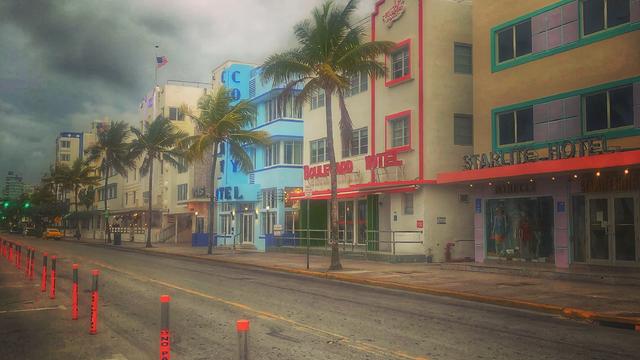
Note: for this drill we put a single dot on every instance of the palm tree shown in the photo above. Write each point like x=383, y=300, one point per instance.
x=79, y=175
x=158, y=142
x=221, y=123
x=112, y=149
x=331, y=50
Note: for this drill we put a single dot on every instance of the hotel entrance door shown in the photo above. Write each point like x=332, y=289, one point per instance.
x=612, y=229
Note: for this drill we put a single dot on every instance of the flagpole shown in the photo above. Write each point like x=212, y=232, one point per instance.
x=155, y=62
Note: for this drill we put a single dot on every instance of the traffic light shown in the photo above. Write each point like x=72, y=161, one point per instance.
x=27, y=205
x=6, y=204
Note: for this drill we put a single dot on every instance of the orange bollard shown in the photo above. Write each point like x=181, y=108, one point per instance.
x=43, y=283
x=74, y=293
x=165, y=335
x=242, y=326
x=33, y=264
x=27, y=264
x=52, y=292
x=93, y=326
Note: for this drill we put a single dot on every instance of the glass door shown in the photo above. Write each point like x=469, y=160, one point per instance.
x=345, y=222
x=599, y=229
x=362, y=221
x=624, y=228
x=247, y=228
x=613, y=229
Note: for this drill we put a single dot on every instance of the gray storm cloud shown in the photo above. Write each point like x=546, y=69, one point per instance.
x=64, y=63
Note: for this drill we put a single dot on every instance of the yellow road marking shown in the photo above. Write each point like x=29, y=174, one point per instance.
x=359, y=345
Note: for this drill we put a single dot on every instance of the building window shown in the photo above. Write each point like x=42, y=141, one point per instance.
x=520, y=228
x=112, y=192
x=609, y=109
x=292, y=152
x=290, y=219
x=317, y=99
x=399, y=130
x=407, y=203
x=65, y=157
x=226, y=221
x=65, y=144
x=357, y=83
x=278, y=108
x=400, y=66
x=318, y=150
x=514, y=41
x=269, y=219
x=462, y=63
x=182, y=192
x=272, y=154
x=133, y=198
x=175, y=114
x=183, y=165
x=515, y=126
x=599, y=15
x=359, y=143
x=270, y=198
x=126, y=198
x=462, y=129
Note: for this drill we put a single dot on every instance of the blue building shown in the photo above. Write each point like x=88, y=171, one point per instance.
x=251, y=206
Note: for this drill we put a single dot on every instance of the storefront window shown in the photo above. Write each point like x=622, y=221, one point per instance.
x=520, y=228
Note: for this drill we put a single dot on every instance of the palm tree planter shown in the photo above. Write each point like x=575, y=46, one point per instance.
x=158, y=142
x=221, y=123
x=112, y=149
x=331, y=50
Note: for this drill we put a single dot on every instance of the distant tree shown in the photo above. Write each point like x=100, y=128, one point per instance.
x=158, y=142
x=221, y=123
x=80, y=174
x=112, y=150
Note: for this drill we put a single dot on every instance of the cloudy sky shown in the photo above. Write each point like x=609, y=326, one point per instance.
x=64, y=63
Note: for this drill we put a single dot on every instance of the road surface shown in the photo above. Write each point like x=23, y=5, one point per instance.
x=292, y=316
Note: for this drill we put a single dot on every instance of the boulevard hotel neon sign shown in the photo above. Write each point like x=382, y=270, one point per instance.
x=381, y=160
x=555, y=151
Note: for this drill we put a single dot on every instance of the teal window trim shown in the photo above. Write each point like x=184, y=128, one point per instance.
x=609, y=134
x=583, y=40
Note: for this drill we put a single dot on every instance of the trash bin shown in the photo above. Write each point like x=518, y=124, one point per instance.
x=117, y=239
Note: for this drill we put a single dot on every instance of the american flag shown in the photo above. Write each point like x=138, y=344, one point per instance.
x=161, y=61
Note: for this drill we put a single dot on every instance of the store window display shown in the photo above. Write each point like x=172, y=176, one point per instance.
x=520, y=228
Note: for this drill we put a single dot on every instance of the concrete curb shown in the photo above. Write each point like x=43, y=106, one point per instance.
x=567, y=312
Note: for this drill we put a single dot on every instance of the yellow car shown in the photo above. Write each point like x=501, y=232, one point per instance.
x=52, y=233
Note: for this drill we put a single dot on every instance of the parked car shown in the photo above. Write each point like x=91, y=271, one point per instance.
x=52, y=233
x=15, y=230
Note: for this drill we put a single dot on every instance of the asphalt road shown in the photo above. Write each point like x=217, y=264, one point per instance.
x=292, y=317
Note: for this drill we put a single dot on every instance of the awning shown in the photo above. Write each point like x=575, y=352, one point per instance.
x=361, y=190
x=544, y=167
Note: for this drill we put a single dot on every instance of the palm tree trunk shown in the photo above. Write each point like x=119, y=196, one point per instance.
x=150, y=217
x=107, y=232
x=77, y=220
x=333, y=202
x=212, y=208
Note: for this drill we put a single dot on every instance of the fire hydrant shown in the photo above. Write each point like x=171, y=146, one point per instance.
x=448, y=252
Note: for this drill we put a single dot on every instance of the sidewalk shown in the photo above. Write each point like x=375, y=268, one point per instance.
x=592, y=301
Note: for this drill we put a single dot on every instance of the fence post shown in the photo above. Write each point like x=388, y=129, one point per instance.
x=242, y=326
x=43, y=283
x=74, y=293
x=165, y=335
x=93, y=325
x=52, y=293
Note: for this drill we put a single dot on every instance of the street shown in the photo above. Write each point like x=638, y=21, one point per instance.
x=292, y=317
